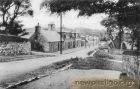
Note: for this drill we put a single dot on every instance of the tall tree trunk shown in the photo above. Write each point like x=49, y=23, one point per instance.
x=132, y=46
x=113, y=44
x=120, y=37
x=138, y=38
x=111, y=38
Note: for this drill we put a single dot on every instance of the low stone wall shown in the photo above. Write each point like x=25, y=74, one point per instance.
x=131, y=63
x=115, y=51
x=15, y=48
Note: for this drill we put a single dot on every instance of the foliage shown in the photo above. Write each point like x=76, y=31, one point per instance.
x=16, y=29
x=102, y=54
x=127, y=16
x=126, y=11
x=10, y=10
x=111, y=24
x=85, y=7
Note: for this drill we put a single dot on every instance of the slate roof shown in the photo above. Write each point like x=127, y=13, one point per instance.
x=51, y=36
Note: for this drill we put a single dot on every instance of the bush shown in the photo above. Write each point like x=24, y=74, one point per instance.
x=91, y=63
x=90, y=52
x=101, y=54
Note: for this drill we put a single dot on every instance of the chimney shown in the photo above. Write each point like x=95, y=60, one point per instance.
x=37, y=28
x=51, y=27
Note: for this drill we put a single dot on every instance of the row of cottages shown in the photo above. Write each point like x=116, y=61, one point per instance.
x=48, y=40
x=72, y=39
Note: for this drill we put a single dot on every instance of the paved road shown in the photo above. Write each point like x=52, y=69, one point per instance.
x=13, y=69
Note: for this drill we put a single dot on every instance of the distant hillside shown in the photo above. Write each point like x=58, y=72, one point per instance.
x=88, y=31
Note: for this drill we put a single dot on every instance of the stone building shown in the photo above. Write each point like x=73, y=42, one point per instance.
x=47, y=40
x=72, y=39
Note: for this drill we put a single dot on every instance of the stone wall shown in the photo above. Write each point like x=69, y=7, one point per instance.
x=53, y=46
x=131, y=63
x=14, y=45
x=115, y=51
x=15, y=48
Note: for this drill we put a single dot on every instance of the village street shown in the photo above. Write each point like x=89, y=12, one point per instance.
x=60, y=79
x=13, y=69
x=47, y=44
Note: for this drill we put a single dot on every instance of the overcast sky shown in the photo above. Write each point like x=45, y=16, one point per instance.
x=70, y=19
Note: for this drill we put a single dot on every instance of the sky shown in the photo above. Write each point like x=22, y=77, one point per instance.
x=70, y=19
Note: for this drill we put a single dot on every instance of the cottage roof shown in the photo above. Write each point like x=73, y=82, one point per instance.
x=51, y=36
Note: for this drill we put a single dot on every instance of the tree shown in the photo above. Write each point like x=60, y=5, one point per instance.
x=111, y=24
x=16, y=29
x=127, y=15
x=85, y=7
x=127, y=12
x=10, y=10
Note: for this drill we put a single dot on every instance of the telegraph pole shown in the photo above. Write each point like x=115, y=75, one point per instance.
x=61, y=48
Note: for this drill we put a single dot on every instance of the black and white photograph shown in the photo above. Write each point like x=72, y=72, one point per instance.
x=69, y=44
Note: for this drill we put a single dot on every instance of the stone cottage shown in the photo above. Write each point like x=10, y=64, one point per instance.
x=80, y=40
x=47, y=40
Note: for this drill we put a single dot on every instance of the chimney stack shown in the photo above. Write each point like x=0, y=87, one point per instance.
x=37, y=28
x=51, y=27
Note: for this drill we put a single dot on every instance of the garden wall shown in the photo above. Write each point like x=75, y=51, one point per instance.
x=115, y=51
x=12, y=45
x=131, y=63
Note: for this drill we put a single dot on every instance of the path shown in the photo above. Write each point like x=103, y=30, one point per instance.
x=65, y=79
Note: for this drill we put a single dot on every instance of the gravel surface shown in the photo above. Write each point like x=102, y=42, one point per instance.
x=64, y=79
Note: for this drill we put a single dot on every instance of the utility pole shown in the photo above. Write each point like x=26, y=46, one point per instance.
x=61, y=48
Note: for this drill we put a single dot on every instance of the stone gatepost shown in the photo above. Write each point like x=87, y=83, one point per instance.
x=131, y=64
